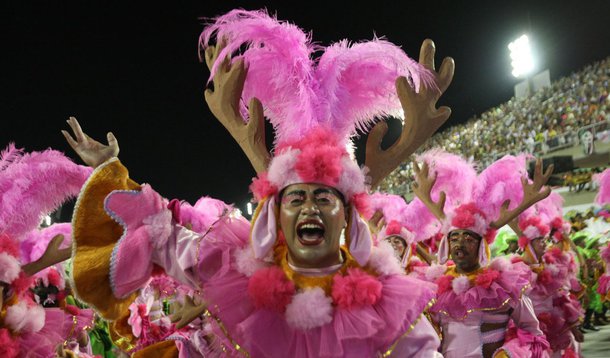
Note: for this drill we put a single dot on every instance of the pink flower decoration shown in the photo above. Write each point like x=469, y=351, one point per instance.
x=269, y=288
x=22, y=284
x=73, y=310
x=444, y=283
x=356, y=289
x=261, y=187
x=487, y=277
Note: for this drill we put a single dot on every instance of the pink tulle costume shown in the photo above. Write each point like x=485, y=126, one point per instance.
x=484, y=312
x=259, y=302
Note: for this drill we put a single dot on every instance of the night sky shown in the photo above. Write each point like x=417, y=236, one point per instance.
x=133, y=69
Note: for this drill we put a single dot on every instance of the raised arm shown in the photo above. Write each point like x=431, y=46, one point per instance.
x=92, y=152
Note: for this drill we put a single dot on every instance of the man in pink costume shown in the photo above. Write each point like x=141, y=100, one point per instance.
x=553, y=269
x=282, y=285
x=479, y=299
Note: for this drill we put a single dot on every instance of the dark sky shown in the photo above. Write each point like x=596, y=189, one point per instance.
x=132, y=68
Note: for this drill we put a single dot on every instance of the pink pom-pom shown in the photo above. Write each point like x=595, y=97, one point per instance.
x=54, y=278
x=9, y=347
x=362, y=204
x=246, y=263
x=487, y=277
x=435, y=271
x=383, y=260
x=22, y=284
x=544, y=277
x=460, y=284
x=309, y=309
x=8, y=246
x=356, y=289
x=261, y=187
x=523, y=241
x=393, y=228
x=444, y=283
x=21, y=318
x=269, y=288
x=9, y=268
x=320, y=164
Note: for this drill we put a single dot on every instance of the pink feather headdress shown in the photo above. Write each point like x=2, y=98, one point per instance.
x=393, y=208
x=315, y=105
x=35, y=184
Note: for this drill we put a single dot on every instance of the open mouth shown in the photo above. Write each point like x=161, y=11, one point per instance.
x=310, y=232
x=459, y=253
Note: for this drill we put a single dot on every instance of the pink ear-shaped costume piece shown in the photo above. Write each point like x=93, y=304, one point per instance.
x=443, y=250
x=361, y=242
x=264, y=229
x=483, y=253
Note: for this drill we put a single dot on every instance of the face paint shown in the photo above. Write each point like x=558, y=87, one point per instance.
x=312, y=217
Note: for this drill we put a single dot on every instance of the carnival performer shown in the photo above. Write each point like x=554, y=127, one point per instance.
x=479, y=298
x=283, y=285
x=402, y=226
x=558, y=311
x=33, y=185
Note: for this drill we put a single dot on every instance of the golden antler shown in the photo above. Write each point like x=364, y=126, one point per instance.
x=531, y=195
x=224, y=104
x=422, y=187
x=422, y=118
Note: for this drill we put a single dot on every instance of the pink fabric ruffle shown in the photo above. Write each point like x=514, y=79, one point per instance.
x=363, y=331
x=507, y=286
x=59, y=327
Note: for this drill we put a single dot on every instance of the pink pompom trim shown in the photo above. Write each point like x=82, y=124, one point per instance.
x=487, y=277
x=8, y=246
x=444, y=283
x=356, y=289
x=9, y=268
x=9, y=347
x=270, y=288
x=309, y=309
x=460, y=284
x=261, y=187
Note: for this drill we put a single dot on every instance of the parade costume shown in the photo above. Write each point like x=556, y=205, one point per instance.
x=259, y=303
x=33, y=185
x=476, y=309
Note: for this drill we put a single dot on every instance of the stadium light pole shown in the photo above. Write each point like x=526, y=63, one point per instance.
x=522, y=60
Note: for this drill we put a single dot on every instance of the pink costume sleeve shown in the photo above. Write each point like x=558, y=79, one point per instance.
x=529, y=338
x=422, y=341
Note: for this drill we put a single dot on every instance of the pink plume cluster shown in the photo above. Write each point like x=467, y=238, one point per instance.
x=422, y=222
x=203, y=214
x=603, y=180
x=392, y=206
x=345, y=89
x=34, y=184
x=499, y=182
x=550, y=208
x=455, y=176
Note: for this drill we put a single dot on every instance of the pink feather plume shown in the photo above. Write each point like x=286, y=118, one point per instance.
x=455, y=176
x=35, y=184
x=499, y=182
x=35, y=242
x=346, y=89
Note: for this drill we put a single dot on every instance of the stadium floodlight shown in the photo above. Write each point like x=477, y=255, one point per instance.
x=521, y=56
x=249, y=209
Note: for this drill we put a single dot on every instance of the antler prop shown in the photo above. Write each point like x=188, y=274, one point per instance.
x=224, y=104
x=422, y=187
x=188, y=312
x=52, y=255
x=531, y=195
x=422, y=118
